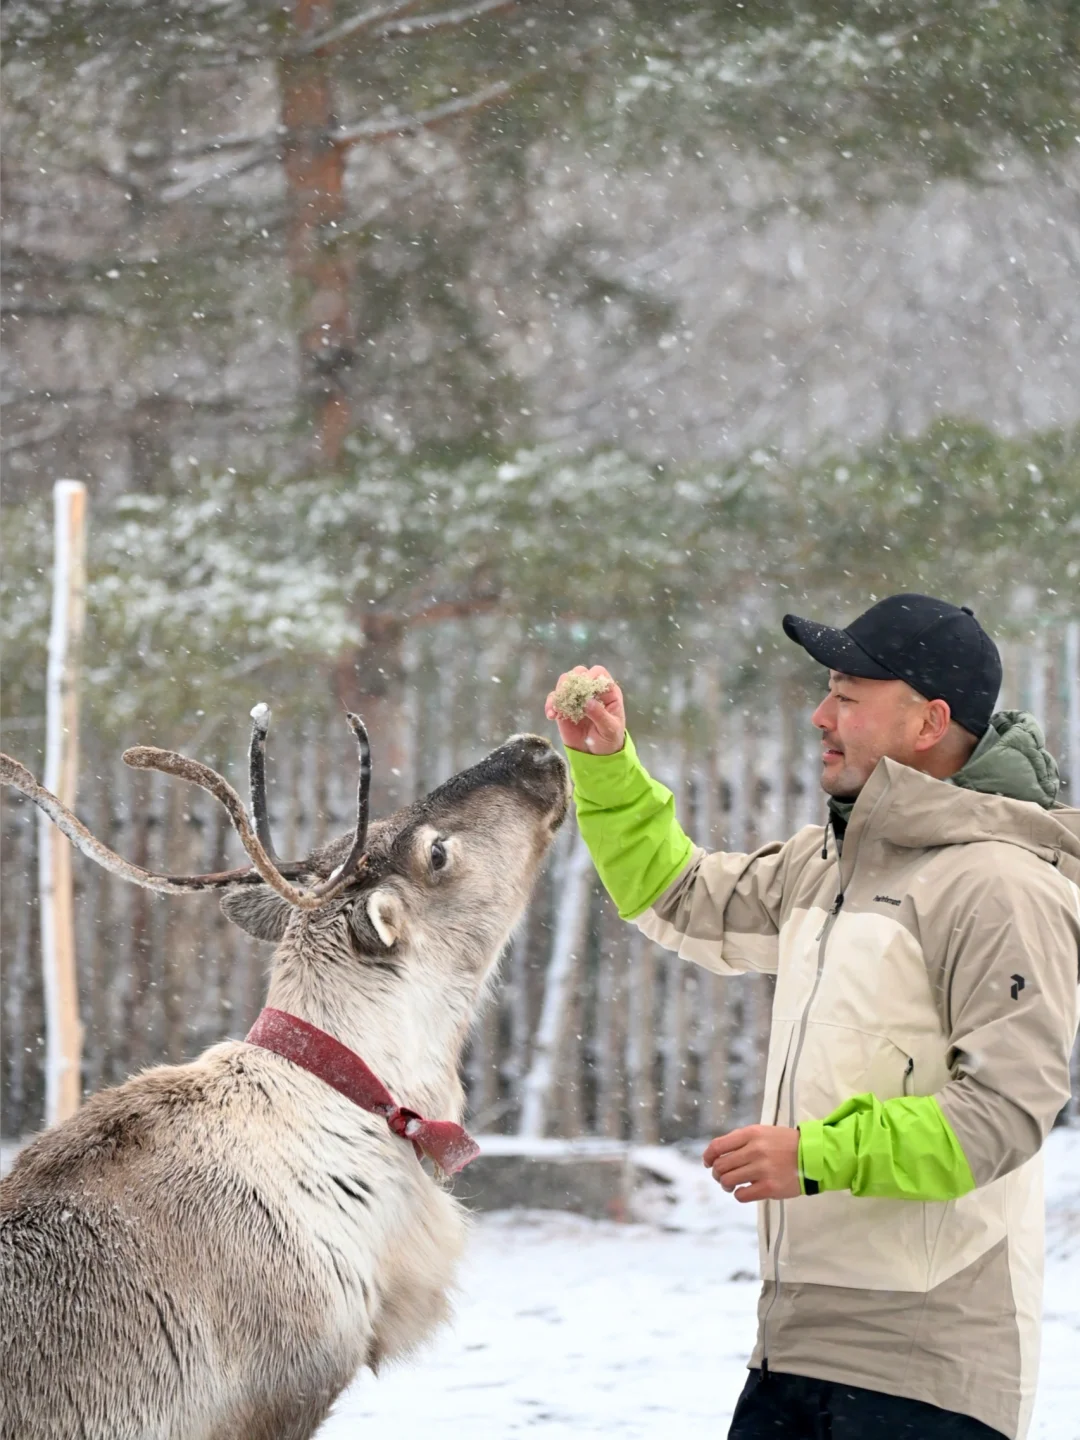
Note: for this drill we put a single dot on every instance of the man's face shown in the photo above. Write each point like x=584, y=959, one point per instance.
x=860, y=722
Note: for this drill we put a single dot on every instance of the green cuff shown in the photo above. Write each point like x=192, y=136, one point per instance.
x=811, y=1161
x=900, y=1149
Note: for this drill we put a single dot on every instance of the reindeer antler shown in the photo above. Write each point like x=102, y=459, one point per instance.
x=149, y=757
x=352, y=861
x=16, y=775
x=266, y=865
x=260, y=724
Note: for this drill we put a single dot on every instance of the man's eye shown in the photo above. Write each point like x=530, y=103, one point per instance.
x=438, y=854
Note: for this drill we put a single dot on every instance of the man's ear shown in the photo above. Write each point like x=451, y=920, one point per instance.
x=256, y=909
x=378, y=920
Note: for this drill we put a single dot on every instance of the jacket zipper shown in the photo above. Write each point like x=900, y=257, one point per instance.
x=822, y=938
x=909, y=1075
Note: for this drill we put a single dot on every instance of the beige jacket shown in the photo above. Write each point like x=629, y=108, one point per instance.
x=909, y=987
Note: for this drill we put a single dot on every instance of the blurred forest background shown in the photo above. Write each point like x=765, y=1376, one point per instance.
x=415, y=352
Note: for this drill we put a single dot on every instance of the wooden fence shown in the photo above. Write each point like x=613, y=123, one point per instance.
x=614, y=1036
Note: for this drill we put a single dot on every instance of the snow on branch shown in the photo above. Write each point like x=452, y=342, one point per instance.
x=389, y=126
x=445, y=19
x=218, y=143
x=367, y=19
x=198, y=176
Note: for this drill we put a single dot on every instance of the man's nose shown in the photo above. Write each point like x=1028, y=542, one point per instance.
x=821, y=716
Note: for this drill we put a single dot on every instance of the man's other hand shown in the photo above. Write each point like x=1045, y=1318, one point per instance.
x=603, y=728
x=758, y=1162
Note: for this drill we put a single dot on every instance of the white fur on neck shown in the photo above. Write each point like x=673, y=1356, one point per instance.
x=409, y=1027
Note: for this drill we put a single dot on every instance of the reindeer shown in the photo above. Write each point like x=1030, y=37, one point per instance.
x=211, y=1251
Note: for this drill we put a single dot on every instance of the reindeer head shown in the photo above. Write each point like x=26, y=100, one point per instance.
x=406, y=918
x=444, y=878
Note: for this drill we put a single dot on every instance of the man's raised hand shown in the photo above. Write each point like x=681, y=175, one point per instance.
x=602, y=729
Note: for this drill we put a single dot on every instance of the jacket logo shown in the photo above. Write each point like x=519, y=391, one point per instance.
x=887, y=899
x=1016, y=986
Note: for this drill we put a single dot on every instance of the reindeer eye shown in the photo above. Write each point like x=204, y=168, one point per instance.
x=438, y=855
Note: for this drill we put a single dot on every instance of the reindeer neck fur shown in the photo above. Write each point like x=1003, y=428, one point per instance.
x=407, y=1016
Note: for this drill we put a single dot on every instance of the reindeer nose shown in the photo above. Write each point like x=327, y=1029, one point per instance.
x=538, y=753
x=536, y=747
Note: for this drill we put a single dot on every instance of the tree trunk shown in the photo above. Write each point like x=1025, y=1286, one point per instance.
x=371, y=682
x=315, y=232
x=566, y=947
x=641, y=1041
x=611, y=1024
x=675, y=1038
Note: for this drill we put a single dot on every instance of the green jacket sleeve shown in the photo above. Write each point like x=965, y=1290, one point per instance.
x=627, y=820
x=900, y=1149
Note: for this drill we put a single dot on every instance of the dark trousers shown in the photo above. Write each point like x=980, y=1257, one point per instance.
x=793, y=1407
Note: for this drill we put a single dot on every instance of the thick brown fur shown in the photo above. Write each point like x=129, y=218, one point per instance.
x=212, y=1250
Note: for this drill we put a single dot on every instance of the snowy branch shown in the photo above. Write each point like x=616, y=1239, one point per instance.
x=39, y=435
x=181, y=189
x=445, y=19
x=225, y=142
x=367, y=19
x=370, y=131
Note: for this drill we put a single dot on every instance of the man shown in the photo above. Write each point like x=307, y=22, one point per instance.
x=926, y=947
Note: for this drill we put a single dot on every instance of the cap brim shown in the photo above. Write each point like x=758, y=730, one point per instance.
x=833, y=648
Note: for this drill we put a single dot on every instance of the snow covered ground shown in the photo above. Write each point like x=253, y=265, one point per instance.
x=571, y=1327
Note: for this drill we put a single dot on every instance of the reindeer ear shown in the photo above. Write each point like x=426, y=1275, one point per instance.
x=378, y=921
x=256, y=909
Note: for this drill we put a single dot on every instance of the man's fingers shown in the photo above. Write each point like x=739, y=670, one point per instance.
x=605, y=723
x=723, y=1144
x=762, y=1190
x=734, y=1160
x=740, y=1175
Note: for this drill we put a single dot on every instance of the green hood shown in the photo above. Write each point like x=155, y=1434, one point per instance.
x=1012, y=760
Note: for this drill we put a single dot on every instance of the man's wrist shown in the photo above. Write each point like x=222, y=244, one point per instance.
x=598, y=754
x=608, y=781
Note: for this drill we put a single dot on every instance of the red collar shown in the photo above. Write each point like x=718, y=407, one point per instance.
x=313, y=1049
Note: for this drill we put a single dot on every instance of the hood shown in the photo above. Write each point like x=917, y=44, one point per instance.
x=914, y=811
x=1012, y=759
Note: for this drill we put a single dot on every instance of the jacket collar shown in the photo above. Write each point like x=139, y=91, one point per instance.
x=915, y=811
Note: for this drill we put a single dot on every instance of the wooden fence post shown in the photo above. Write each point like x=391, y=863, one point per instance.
x=63, y=1044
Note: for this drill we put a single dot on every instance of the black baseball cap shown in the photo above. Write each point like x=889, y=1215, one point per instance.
x=941, y=650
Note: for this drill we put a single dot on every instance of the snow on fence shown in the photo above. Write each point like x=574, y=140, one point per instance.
x=594, y=1030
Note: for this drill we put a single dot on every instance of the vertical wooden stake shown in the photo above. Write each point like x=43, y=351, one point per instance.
x=63, y=1046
